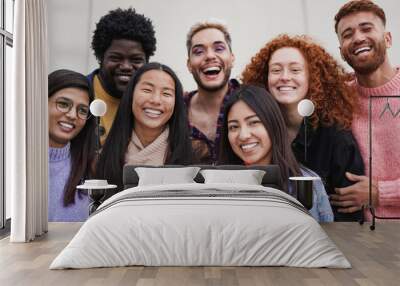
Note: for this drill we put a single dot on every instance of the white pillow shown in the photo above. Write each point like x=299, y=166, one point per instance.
x=249, y=177
x=162, y=176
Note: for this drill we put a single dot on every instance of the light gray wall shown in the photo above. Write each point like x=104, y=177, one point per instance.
x=251, y=23
x=69, y=34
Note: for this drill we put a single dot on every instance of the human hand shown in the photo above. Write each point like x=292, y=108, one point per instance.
x=352, y=198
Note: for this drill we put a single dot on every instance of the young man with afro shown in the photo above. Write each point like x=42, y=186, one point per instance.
x=122, y=42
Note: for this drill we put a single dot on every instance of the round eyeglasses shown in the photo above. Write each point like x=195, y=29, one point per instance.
x=65, y=105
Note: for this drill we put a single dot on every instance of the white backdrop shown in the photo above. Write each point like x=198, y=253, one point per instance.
x=251, y=23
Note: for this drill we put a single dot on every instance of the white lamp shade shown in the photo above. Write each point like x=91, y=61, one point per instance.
x=98, y=107
x=305, y=107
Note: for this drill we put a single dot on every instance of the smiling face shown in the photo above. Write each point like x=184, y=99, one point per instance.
x=363, y=41
x=247, y=135
x=288, y=76
x=63, y=127
x=153, y=102
x=120, y=62
x=210, y=59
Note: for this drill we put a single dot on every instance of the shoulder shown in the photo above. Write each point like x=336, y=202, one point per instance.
x=91, y=75
x=318, y=185
x=351, y=80
x=233, y=84
x=187, y=97
x=306, y=172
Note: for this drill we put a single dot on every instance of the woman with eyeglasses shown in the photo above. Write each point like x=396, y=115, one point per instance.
x=71, y=141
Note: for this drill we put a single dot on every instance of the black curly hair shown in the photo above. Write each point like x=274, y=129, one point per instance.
x=123, y=24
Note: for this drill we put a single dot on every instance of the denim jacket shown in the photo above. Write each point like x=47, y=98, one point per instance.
x=321, y=210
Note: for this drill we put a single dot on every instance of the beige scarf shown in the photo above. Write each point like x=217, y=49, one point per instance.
x=153, y=154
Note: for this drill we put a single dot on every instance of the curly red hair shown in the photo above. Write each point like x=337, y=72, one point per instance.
x=333, y=98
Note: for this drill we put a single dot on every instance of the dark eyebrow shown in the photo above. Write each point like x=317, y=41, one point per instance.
x=214, y=44
x=345, y=31
x=152, y=85
x=65, y=98
x=148, y=83
x=169, y=88
x=363, y=24
x=197, y=46
x=246, y=118
x=219, y=43
x=114, y=53
x=250, y=116
x=71, y=101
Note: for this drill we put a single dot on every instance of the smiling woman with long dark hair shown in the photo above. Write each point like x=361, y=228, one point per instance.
x=150, y=127
x=71, y=141
x=254, y=133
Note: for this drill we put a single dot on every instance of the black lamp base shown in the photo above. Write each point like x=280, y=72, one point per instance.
x=96, y=197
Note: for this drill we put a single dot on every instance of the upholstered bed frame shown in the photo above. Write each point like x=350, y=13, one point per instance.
x=270, y=179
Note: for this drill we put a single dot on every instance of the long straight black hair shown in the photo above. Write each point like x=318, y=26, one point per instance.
x=267, y=110
x=82, y=145
x=112, y=156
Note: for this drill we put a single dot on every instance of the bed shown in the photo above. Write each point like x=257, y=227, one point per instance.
x=201, y=223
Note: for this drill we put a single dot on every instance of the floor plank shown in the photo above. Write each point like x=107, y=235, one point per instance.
x=374, y=255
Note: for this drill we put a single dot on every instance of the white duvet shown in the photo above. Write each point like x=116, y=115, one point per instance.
x=200, y=224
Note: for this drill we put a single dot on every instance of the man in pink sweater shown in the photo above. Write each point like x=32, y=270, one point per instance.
x=360, y=27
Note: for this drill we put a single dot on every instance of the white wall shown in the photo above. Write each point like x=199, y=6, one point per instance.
x=68, y=34
x=251, y=23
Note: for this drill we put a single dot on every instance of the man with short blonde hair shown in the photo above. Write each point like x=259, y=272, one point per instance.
x=210, y=61
x=211, y=24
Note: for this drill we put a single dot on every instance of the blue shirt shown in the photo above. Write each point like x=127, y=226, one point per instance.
x=321, y=210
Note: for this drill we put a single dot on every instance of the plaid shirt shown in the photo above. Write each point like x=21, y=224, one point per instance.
x=205, y=149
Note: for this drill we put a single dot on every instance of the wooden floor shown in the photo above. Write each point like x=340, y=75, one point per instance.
x=374, y=255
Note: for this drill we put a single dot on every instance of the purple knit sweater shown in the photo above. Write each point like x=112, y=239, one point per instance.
x=59, y=170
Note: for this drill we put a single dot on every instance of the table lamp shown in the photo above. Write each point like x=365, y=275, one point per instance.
x=305, y=108
x=98, y=108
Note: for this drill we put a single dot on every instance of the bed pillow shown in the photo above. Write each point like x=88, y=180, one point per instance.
x=162, y=176
x=248, y=177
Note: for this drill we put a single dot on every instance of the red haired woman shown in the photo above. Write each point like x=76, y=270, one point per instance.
x=295, y=68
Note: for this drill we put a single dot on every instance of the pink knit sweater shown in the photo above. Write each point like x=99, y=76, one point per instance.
x=385, y=143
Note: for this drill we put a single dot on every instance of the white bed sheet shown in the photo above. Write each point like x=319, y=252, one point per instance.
x=190, y=231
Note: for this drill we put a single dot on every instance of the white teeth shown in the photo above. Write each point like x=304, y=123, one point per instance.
x=363, y=49
x=211, y=69
x=66, y=125
x=286, y=88
x=124, y=78
x=248, y=146
x=152, y=111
